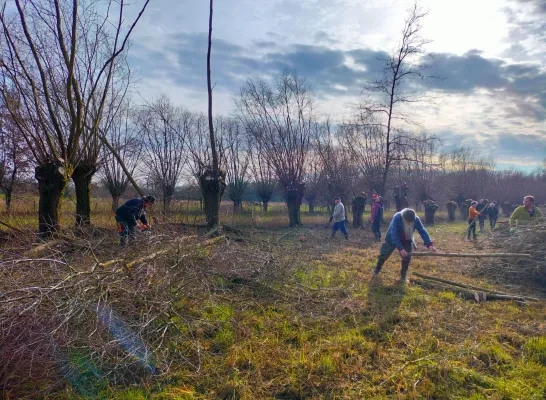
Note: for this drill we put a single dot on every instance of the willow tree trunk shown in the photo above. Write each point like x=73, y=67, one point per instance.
x=8, y=193
x=451, y=209
x=212, y=189
x=294, y=193
x=429, y=215
x=464, y=211
x=81, y=177
x=51, y=183
x=265, y=205
x=115, y=202
x=358, y=207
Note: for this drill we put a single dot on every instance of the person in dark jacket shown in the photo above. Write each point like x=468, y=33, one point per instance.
x=481, y=208
x=128, y=214
x=400, y=237
x=376, y=216
x=493, y=213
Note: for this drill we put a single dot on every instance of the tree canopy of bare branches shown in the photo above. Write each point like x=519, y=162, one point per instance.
x=387, y=99
x=121, y=134
x=60, y=57
x=164, y=129
x=280, y=120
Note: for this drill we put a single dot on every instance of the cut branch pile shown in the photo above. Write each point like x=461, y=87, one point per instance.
x=70, y=315
x=513, y=271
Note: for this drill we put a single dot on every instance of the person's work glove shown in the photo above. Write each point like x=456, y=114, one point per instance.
x=144, y=227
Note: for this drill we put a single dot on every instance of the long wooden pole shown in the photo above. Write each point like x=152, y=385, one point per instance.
x=471, y=255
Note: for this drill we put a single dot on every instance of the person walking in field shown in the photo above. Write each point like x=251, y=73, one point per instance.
x=493, y=213
x=482, y=205
x=338, y=216
x=400, y=237
x=527, y=213
x=376, y=216
x=472, y=216
x=127, y=216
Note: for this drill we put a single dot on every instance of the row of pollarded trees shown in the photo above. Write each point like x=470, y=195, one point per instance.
x=69, y=106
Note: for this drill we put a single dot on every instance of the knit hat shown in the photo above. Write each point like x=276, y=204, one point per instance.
x=408, y=214
x=374, y=195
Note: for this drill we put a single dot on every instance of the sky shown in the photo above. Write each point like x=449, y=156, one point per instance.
x=490, y=54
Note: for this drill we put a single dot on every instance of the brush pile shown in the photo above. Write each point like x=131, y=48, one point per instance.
x=86, y=313
x=529, y=239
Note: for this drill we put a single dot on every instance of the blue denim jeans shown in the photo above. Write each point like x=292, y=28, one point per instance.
x=339, y=226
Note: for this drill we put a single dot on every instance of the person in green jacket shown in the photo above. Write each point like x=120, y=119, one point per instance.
x=526, y=213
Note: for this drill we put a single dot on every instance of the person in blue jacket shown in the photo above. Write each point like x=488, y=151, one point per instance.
x=128, y=214
x=400, y=237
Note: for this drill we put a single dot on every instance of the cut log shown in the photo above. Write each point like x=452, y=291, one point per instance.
x=465, y=293
x=471, y=255
x=470, y=287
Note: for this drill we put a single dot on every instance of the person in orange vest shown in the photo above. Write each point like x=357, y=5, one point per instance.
x=472, y=216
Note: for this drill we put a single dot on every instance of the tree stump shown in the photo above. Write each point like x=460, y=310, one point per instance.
x=358, y=208
x=451, y=209
x=294, y=193
x=430, y=210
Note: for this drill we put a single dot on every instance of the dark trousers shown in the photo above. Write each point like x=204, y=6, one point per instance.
x=386, y=251
x=472, y=228
x=126, y=231
x=481, y=219
x=376, y=228
x=339, y=226
x=492, y=222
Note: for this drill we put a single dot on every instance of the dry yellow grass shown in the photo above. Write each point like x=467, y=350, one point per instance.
x=307, y=323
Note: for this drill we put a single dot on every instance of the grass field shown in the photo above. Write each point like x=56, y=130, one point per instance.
x=314, y=326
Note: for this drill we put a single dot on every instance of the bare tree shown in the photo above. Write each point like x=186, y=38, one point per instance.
x=280, y=119
x=14, y=154
x=263, y=173
x=365, y=145
x=122, y=135
x=237, y=157
x=60, y=57
x=338, y=175
x=387, y=98
x=164, y=129
x=212, y=179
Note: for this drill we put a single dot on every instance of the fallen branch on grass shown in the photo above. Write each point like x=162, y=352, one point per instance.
x=471, y=255
x=10, y=227
x=461, y=285
x=467, y=294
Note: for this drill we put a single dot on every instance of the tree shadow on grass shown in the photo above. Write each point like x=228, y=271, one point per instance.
x=381, y=313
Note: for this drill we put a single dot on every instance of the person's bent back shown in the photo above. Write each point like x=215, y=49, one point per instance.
x=129, y=213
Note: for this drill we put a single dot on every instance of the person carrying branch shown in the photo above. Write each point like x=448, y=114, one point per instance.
x=473, y=214
x=400, y=237
x=527, y=213
x=376, y=216
x=338, y=216
x=128, y=214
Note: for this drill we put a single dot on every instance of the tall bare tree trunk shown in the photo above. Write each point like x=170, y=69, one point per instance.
x=51, y=184
x=212, y=182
